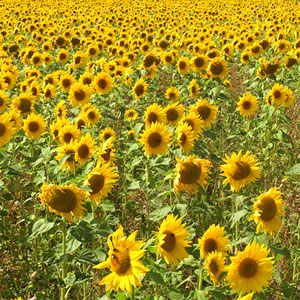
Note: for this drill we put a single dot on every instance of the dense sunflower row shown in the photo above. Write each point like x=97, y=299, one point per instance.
x=89, y=78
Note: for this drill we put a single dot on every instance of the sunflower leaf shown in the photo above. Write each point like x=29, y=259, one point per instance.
x=156, y=277
x=295, y=170
x=41, y=226
x=237, y=216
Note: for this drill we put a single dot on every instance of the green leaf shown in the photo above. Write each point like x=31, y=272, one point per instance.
x=134, y=185
x=279, y=249
x=295, y=170
x=41, y=226
x=107, y=206
x=159, y=213
x=82, y=232
x=70, y=279
x=237, y=216
x=259, y=296
x=199, y=295
x=156, y=277
x=86, y=256
x=288, y=289
x=176, y=296
x=72, y=243
x=120, y=296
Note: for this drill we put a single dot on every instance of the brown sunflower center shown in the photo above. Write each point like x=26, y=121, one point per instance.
x=271, y=68
x=152, y=117
x=91, y=115
x=106, y=155
x=67, y=137
x=79, y=95
x=245, y=57
x=217, y=68
x=80, y=124
x=48, y=93
x=139, y=90
x=1, y=102
x=255, y=49
x=277, y=94
x=77, y=60
x=246, y=104
x=92, y=51
x=36, y=60
x=189, y=173
x=199, y=62
x=102, y=83
x=172, y=95
x=2, y=129
x=33, y=91
x=86, y=81
x=62, y=56
x=269, y=209
x=183, y=139
x=120, y=261
x=291, y=62
x=190, y=123
x=248, y=268
x=169, y=241
x=154, y=140
x=66, y=83
x=172, y=114
x=33, y=126
x=63, y=200
x=182, y=65
x=83, y=151
x=241, y=170
x=210, y=245
x=194, y=89
x=70, y=159
x=25, y=105
x=213, y=267
x=96, y=183
x=149, y=61
x=107, y=136
x=203, y=111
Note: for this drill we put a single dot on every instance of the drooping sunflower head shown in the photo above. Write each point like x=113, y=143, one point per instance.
x=149, y=61
x=290, y=62
x=206, y=112
x=213, y=239
x=174, y=113
x=172, y=240
x=67, y=149
x=100, y=180
x=154, y=113
x=245, y=57
x=268, y=210
x=215, y=265
x=248, y=105
x=107, y=152
x=34, y=126
x=65, y=200
x=191, y=171
x=290, y=97
x=217, y=68
x=240, y=170
x=156, y=139
x=251, y=269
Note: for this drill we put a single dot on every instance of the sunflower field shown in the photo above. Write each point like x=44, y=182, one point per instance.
x=149, y=149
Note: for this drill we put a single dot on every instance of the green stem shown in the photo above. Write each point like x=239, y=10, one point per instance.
x=132, y=294
x=63, y=265
x=200, y=280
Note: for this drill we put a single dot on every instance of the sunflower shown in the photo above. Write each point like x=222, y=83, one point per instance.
x=248, y=105
x=84, y=148
x=140, y=89
x=79, y=94
x=278, y=94
x=9, y=79
x=185, y=137
x=68, y=133
x=67, y=149
x=34, y=126
x=240, y=170
x=100, y=180
x=103, y=83
x=107, y=133
x=172, y=240
x=256, y=49
x=250, y=269
x=131, y=133
x=199, y=63
x=6, y=129
x=24, y=103
x=63, y=56
x=123, y=261
x=245, y=57
x=154, y=113
x=272, y=67
x=87, y=79
x=246, y=297
x=183, y=65
x=49, y=91
x=93, y=115
x=61, y=109
x=36, y=60
x=267, y=211
x=156, y=139
x=172, y=94
x=290, y=97
x=35, y=90
x=174, y=113
x=14, y=116
x=194, y=121
x=106, y=152
x=131, y=114
x=4, y=100
x=290, y=62
x=213, y=239
x=64, y=200
x=189, y=172
x=215, y=265
x=206, y=112
x=217, y=68
x=194, y=89
x=66, y=81
x=149, y=62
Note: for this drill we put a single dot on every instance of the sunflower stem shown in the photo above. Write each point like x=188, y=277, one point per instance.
x=200, y=280
x=63, y=265
x=132, y=294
